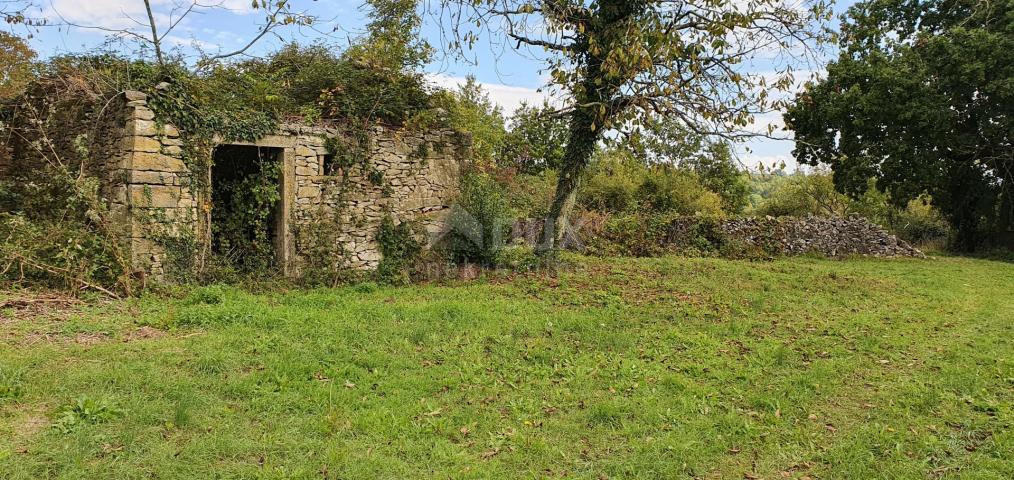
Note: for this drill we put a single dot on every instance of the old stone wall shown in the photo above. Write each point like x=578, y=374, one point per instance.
x=154, y=199
x=160, y=215
x=411, y=176
x=834, y=237
x=418, y=176
x=95, y=138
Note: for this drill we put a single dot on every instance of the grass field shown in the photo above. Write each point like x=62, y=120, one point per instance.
x=653, y=368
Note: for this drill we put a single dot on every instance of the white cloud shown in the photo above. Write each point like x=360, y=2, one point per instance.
x=131, y=14
x=114, y=14
x=507, y=96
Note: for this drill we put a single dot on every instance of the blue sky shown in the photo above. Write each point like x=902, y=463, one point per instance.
x=509, y=77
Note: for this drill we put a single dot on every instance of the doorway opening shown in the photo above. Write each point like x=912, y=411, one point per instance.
x=246, y=218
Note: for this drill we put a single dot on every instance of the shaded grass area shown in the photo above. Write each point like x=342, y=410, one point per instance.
x=620, y=368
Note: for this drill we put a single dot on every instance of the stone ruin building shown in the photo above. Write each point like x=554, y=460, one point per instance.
x=140, y=167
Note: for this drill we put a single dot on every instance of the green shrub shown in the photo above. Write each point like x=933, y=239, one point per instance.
x=804, y=194
x=530, y=195
x=480, y=221
x=919, y=223
x=652, y=234
x=669, y=190
x=210, y=295
x=399, y=246
x=639, y=234
x=519, y=258
x=611, y=183
x=619, y=183
x=719, y=173
x=609, y=193
x=54, y=232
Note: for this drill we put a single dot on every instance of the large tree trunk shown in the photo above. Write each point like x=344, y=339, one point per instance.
x=580, y=147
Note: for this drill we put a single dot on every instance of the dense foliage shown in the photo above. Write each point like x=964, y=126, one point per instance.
x=921, y=99
x=480, y=222
x=537, y=140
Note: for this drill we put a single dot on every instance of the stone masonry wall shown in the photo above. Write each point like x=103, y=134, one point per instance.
x=153, y=184
x=148, y=186
x=835, y=237
x=420, y=177
x=418, y=184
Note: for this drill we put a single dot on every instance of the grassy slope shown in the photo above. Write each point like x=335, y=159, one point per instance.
x=665, y=368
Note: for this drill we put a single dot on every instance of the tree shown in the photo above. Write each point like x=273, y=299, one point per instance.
x=921, y=100
x=719, y=173
x=622, y=61
x=15, y=65
x=393, y=39
x=471, y=110
x=537, y=139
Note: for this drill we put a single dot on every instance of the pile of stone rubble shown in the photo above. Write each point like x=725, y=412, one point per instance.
x=835, y=237
x=830, y=236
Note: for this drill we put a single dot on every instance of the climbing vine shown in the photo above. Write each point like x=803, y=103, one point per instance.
x=242, y=102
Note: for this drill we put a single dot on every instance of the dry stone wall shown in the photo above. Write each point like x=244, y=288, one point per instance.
x=420, y=173
x=829, y=236
x=834, y=237
x=411, y=176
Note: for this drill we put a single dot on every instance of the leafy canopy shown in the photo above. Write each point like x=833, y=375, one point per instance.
x=628, y=60
x=921, y=99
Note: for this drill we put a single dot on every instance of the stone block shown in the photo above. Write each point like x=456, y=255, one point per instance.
x=157, y=162
x=132, y=95
x=308, y=192
x=170, y=131
x=142, y=113
x=306, y=171
x=138, y=126
x=172, y=150
x=145, y=177
x=141, y=144
x=158, y=196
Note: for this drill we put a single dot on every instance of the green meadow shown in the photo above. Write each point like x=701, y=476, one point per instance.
x=614, y=368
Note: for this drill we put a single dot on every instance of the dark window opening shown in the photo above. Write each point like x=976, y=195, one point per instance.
x=246, y=206
x=327, y=165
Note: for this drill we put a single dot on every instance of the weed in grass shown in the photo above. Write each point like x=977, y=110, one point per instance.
x=11, y=385
x=84, y=411
x=365, y=287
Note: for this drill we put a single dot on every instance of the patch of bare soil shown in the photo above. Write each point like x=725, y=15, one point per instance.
x=25, y=428
x=143, y=333
x=37, y=305
x=90, y=338
x=30, y=318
